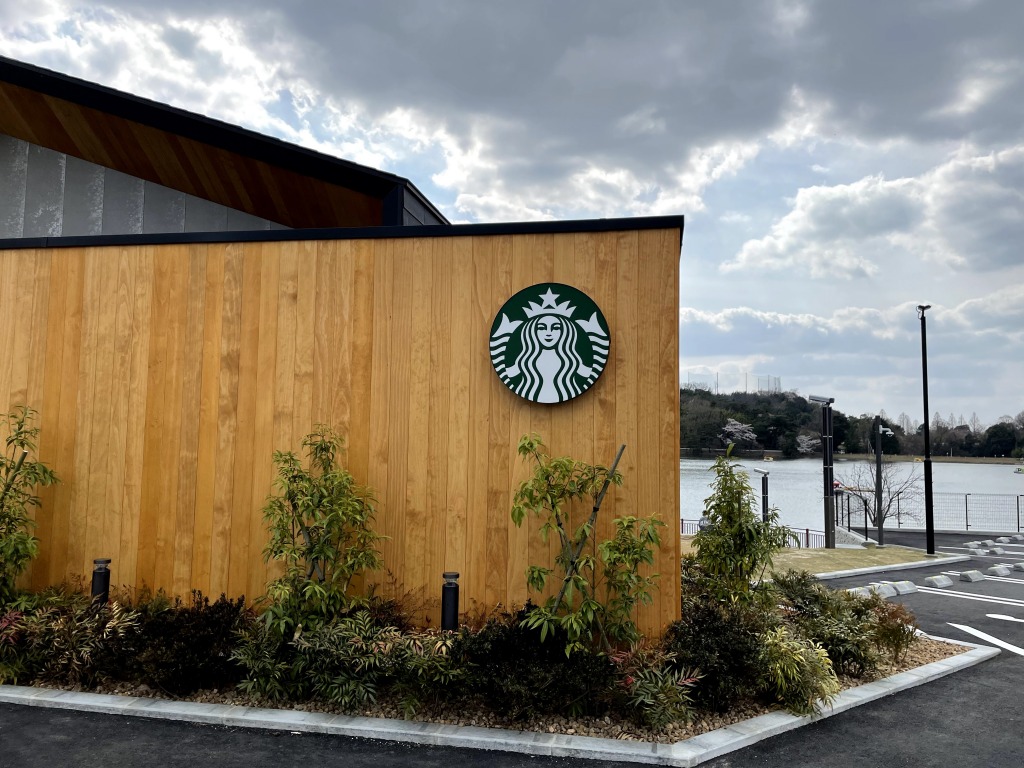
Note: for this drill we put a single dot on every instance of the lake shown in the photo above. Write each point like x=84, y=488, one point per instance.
x=795, y=488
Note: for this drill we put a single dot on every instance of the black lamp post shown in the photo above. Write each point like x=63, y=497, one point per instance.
x=826, y=466
x=929, y=519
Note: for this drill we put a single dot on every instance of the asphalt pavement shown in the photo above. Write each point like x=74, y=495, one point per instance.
x=967, y=719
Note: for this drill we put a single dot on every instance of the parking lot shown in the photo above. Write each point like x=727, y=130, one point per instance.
x=989, y=611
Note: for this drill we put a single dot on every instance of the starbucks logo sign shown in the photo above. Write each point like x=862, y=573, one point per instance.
x=549, y=343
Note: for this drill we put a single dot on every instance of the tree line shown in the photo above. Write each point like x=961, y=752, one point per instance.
x=789, y=423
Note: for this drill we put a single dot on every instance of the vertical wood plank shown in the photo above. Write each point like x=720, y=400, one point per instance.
x=263, y=422
x=49, y=421
x=379, y=405
x=227, y=419
x=71, y=329
x=206, y=443
x=400, y=363
x=190, y=410
x=456, y=556
x=418, y=272
x=440, y=342
x=362, y=359
x=480, y=372
x=499, y=427
x=243, y=549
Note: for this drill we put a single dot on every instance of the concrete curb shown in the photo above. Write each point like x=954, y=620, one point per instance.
x=691, y=752
x=895, y=567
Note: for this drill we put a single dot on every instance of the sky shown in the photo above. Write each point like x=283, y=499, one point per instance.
x=838, y=162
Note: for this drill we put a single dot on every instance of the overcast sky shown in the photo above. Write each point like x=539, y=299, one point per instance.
x=838, y=162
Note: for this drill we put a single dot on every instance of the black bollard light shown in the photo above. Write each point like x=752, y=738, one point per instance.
x=101, y=580
x=450, y=601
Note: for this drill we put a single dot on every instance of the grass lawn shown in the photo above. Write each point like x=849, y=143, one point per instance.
x=841, y=559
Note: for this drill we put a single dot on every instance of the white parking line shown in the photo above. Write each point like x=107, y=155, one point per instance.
x=967, y=596
x=988, y=638
x=1001, y=617
x=988, y=578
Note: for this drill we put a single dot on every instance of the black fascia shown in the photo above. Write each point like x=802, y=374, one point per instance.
x=204, y=129
x=355, y=233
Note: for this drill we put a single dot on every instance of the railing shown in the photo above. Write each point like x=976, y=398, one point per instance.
x=800, y=537
x=950, y=512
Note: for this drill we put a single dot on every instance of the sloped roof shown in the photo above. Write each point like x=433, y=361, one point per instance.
x=197, y=155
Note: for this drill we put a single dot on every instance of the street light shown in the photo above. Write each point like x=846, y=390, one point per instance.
x=826, y=467
x=929, y=520
x=879, y=431
x=764, y=493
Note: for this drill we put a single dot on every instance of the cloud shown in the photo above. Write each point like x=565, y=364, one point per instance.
x=968, y=211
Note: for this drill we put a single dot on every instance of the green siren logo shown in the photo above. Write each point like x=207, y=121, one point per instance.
x=549, y=343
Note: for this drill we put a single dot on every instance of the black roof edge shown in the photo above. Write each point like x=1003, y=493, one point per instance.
x=204, y=129
x=355, y=233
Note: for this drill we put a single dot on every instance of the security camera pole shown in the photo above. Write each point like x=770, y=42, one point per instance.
x=826, y=465
x=879, y=431
x=764, y=493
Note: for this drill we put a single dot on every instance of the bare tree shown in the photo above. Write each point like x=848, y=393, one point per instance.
x=975, y=424
x=901, y=492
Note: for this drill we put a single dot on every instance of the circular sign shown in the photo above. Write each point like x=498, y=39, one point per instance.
x=549, y=343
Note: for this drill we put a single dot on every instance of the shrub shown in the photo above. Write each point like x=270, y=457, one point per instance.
x=895, y=628
x=654, y=689
x=182, y=648
x=737, y=546
x=719, y=641
x=553, y=494
x=71, y=641
x=797, y=673
x=843, y=624
x=517, y=675
x=13, y=653
x=320, y=525
x=20, y=475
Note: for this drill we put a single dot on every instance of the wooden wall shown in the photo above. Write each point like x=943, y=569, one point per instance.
x=167, y=375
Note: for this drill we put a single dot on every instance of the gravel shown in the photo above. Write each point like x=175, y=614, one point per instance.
x=922, y=651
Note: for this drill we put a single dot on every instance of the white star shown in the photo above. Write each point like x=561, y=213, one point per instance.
x=549, y=298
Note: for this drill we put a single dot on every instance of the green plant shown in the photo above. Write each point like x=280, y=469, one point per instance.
x=266, y=662
x=625, y=588
x=510, y=670
x=843, y=624
x=895, y=628
x=71, y=642
x=553, y=494
x=655, y=689
x=182, y=648
x=720, y=641
x=20, y=475
x=13, y=654
x=796, y=672
x=320, y=524
x=737, y=546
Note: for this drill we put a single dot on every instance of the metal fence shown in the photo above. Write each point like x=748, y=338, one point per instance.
x=800, y=537
x=950, y=511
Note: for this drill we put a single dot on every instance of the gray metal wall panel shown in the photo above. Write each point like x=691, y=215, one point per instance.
x=44, y=193
x=83, y=198
x=204, y=216
x=122, y=203
x=419, y=213
x=239, y=220
x=408, y=220
x=163, y=209
x=13, y=169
